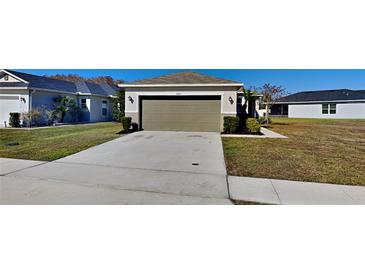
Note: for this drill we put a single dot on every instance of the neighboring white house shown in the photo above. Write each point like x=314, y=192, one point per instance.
x=23, y=92
x=185, y=101
x=339, y=104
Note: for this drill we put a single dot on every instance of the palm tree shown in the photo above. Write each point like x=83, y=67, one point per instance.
x=65, y=104
x=248, y=94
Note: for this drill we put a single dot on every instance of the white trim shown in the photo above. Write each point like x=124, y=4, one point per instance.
x=313, y=102
x=232, y=112
x=92, y=94
x=16, y=77
x=180, y=85
x=16, y=97
x=13, y=88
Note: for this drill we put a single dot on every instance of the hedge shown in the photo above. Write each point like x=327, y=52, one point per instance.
x=230, y=124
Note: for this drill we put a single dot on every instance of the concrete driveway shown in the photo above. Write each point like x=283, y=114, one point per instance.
x=140, y=168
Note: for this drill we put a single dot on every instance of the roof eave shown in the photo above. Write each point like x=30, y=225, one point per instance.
x=319, y=101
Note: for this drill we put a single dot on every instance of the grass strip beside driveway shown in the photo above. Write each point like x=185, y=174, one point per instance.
x=47, y=144
x=317, y=150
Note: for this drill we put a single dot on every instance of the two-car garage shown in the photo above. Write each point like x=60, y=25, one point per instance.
x=180, y=113
x=182, y=101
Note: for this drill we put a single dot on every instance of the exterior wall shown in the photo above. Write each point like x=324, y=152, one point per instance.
x=227, y=108
x=93, y=113
x=12, y=101
x=343, y=111
x=44, y=99
x=85, y=112
x=96, y=109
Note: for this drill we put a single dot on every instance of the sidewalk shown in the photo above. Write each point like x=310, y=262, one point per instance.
x=270, y=191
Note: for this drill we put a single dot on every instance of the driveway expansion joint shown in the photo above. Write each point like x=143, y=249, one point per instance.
x=138, y=168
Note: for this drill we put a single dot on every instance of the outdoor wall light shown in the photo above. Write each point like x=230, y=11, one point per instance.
x=130, y=99
x=22, y=99
x=230, y=99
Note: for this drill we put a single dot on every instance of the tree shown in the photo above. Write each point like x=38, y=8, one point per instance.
x=118, y=104
x=270, y=94
x=64, y=105
x=77, y=78
x=247, y=95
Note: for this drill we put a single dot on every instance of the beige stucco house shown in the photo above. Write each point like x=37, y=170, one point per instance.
x=183, y=101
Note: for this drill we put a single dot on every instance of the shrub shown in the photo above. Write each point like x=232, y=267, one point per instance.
x=14, y=119
x=253, y=125
x=126, y=122
x=40, y=116
x=134, y=127
x=230, y=124
x=262, y=120
x=117, y=114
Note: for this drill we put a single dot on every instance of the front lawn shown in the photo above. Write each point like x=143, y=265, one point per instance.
x=49, y=144
x=317, y=150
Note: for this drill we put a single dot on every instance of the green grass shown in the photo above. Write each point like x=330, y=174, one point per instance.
x=47, y=144
x=317, y=150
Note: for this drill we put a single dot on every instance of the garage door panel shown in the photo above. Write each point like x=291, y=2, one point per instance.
x=181, y=114
x=8, y=104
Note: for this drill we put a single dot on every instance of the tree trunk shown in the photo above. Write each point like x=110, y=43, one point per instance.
x=63, y=116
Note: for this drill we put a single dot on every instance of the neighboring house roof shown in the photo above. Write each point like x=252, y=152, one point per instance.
x=324, y=96
x=182, y=79
x=99, y=89
x=42, y=82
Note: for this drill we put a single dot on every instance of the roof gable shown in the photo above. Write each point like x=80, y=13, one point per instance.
x=183, y=78
x=10, y=78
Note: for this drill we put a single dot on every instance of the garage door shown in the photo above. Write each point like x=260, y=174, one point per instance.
x=181, y=113
x=8, y=104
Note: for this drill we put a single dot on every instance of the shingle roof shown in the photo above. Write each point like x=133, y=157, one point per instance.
x=36, y=81
x=180, y=78
x=325, y=96
x=43, y=82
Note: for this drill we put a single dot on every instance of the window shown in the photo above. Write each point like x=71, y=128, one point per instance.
x=83, y=103
x=328, y=108
x=324, y=108
x=104, y=107
x=332, y=108
x=6, y=77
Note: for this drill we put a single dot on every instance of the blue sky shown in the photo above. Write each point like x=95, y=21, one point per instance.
x=292, y=79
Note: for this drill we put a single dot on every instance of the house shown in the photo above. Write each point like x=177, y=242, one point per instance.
x=339, y=103
x=183, y=101
x=23, y=92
